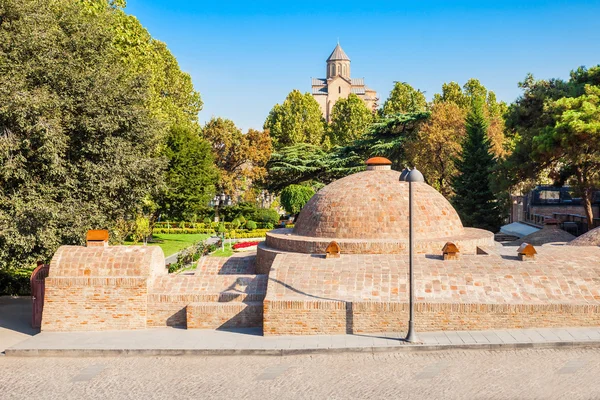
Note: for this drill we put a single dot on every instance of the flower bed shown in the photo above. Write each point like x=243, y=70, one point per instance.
x=242, y=245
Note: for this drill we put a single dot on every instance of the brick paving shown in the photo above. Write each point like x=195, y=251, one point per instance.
x=525, y=374
x=239, y=263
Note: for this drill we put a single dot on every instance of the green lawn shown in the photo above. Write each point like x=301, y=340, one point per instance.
x=220, y=253
x=172, y=243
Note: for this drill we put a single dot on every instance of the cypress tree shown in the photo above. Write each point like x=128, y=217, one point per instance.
x=474, y=199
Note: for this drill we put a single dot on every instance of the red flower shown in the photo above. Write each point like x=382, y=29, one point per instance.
x=242, y=245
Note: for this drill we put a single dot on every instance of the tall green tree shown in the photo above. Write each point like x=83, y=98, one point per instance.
x=312, y=165
x=474, y=199
x=530, y=117
x=298, y=120
x=241, y=158
x=404, y=99
x=388, y=137
x=574, y=141
x=350, y=119
x=79, y=148
x=171, y=97
x=494, y=110
x=191, y=175
x=295, y=197
x=437, y=145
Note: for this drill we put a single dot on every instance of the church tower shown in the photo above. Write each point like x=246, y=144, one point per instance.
x=339, y=85
x=338, y=64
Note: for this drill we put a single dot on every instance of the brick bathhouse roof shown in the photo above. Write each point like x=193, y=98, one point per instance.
x=374, y=205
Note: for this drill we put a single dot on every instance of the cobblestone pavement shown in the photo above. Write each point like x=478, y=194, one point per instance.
x=523, y=374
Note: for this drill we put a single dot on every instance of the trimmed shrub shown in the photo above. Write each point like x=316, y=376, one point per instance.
x=266, y=216
x=251, y=225
x=205, y=231
x=242, y=234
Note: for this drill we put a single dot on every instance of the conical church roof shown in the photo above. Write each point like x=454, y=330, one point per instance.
x=338, y=54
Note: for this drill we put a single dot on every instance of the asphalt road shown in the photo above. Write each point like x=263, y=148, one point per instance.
x=521, y=374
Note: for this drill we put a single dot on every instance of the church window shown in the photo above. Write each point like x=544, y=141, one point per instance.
x=339, y=69
x=332, y=69
x=339, y=89
x=344, y=69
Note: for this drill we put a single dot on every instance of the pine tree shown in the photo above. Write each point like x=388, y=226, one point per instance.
x=474, y=199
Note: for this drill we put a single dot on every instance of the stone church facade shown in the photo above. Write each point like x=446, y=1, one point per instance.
x=338, y=84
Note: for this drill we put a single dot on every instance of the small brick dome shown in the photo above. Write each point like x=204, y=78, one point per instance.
x=374, y=205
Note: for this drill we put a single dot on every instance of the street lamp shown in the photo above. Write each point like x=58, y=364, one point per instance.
x=220, y=199
x=411, y=176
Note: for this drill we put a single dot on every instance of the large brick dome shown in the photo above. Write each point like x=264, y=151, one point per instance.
x=374, y=205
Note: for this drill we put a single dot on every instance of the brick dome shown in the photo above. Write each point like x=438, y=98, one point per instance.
x=374, y=205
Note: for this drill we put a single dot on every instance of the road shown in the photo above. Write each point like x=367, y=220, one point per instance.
x=469, y=374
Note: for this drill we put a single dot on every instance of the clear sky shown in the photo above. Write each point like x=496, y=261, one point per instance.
x=246, y=56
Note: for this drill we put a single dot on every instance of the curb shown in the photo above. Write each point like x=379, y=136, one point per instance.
x=292, y=352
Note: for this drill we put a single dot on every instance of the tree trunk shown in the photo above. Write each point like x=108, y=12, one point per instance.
x=587, y=203
x=586, y=193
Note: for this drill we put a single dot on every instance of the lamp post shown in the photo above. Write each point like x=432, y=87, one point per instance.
x=411, y=176
x=220, y=199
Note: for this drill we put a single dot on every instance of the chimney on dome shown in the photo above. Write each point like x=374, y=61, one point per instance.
x=378, y=164
x=97, y=237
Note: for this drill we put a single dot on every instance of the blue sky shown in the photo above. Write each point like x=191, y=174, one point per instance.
x=246, y=56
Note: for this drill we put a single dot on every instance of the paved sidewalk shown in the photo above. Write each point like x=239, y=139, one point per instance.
x=172, y=341
x=15, y=321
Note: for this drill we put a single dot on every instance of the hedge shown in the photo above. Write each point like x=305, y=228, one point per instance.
x=187, y=227
x=244, y=234
x=209, y=231
x=15, y=282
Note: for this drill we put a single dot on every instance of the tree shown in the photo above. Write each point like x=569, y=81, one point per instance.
x=296, y=164
x=575, y=141
x=141, y=229
x=350, y=119
x=313, y=166
x=191, y=174
x=474, y=200
x=171, y=96
x=404, y=99
x=78, y=144
x=529, y=117
x=437, y=144
x=295, y=197
x=298, y=120
x=452, y=93
x=388, y=137
x=463, y=97
x=240, y=158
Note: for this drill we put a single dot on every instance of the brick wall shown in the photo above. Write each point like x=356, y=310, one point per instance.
x=224, y=315
x=81, y=303
x=304, y=318
x=282, y=240
x=327, y=317
x=265, y=257
x=100, y=288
